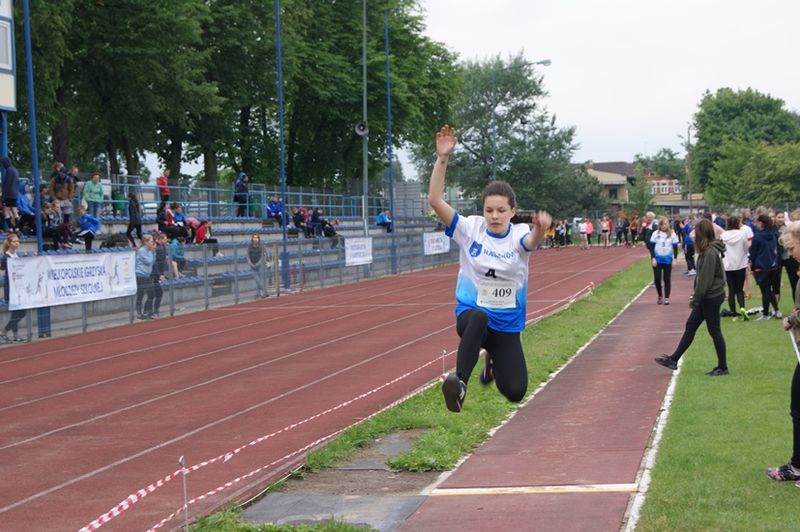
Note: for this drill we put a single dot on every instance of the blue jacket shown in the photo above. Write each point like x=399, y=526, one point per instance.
x=687, y=233
x=764, y=250
x=382, y=219
x=90, y=223
x=23, y=201
x=275, y=208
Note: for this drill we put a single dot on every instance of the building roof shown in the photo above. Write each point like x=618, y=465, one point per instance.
x=607, y=178
x=616, y=167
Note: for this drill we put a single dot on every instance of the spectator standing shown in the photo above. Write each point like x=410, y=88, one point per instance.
x=582, y=229
x=688, y=245
x=589, y=230
x=634, y=230
x=93, y=195
x=735, y=262
x=605, y=230
x=241, y=193
x=561, y=233
x=764, y=264
x=134, y=219
x=62, y=190
x=10, y=189
x=709, y=292
x=89, y=228
x=791, y=470
x=255, y=259
x=145, y=258
x=384, y=219
x=663, y=242
x=159, y=272
x=163, y=186
x=10, y=248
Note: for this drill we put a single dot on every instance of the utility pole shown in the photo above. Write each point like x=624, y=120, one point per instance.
x=689, y=164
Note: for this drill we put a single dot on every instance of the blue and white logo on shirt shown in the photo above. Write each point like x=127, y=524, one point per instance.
x=475, y=249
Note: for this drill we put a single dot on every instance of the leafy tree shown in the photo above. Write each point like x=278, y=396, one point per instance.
x=747, y=115
x=640, y=196
x=664, y=163
x=755, y=173
x=533, y=153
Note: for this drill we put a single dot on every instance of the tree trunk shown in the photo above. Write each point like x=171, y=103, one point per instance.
x=60, y=134
x=111, y=153
x=131, y=157
x=247, y=156
x=210, y=166
x=175, y=152
x=292, y=144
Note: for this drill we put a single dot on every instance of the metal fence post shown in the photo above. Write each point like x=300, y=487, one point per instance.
x=236, y=273
x=205, y=275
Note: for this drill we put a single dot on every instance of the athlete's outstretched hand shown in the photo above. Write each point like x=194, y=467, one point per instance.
x=543, y=221
x=446, y=141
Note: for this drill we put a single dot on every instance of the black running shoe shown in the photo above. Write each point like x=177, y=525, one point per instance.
x=487, y=375
x=667, y=362
x=718, y=372
x=454, y=391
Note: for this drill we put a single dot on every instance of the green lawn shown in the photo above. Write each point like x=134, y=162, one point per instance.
x=723, y=432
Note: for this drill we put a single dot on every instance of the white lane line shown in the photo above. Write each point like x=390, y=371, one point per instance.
x=536, y=490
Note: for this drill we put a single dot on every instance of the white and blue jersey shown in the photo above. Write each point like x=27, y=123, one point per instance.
x=663, y=245
x=494, y=271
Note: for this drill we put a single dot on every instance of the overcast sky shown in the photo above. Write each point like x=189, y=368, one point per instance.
x=629, y=74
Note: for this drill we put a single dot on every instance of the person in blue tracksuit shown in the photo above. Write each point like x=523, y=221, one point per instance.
x=492, y=287
x=663, y=243
x=89, y=228
x=688, y=245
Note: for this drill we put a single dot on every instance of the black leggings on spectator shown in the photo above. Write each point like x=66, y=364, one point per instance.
x=158, y=292
x=795, y=410
x=765, y=281
x=214, y=245
x=665, y=271
x=129, y=233
x=706, y=310
x=689, y=253
x=735, y=279
x=792, y=266
x=144, y=285
x=505, y=349
x=13, y=321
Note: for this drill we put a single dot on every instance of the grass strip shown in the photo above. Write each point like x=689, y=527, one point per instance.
x=548, y=345
x=723, y=432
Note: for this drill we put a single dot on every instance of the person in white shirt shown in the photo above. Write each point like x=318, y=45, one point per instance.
x=492, y=287
x=663, y=243
x=735, y=263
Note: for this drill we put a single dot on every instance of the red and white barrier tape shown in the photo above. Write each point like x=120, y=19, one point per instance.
x=133, y=498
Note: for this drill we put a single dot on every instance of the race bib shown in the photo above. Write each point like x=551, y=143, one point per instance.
x=497, y=294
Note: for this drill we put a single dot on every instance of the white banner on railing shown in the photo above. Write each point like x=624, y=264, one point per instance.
x=61, y=279
x=357, y=251
x=436, y=243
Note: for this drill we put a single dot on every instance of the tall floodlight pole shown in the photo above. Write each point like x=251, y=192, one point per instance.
x=43, y=313
x=389, y=153
x=285, y=252
x=543, y=62
x=689, y=165
x=364, y=139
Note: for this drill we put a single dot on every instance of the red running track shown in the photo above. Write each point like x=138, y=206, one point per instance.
x=92, y=418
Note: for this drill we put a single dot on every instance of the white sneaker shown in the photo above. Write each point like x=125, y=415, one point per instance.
x=777, y=314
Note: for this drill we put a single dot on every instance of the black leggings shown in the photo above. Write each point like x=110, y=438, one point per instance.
x=792, y=266
x=735, y=280
x=795, y=410
x=765, y=280
x=13, y=321
x=505, y=349
x=665, y=271
x=689, y=252
x=707, y=310
x=129, y=232
x=144, y=285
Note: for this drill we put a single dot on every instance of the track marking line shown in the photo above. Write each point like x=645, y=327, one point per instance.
x=537, y=490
